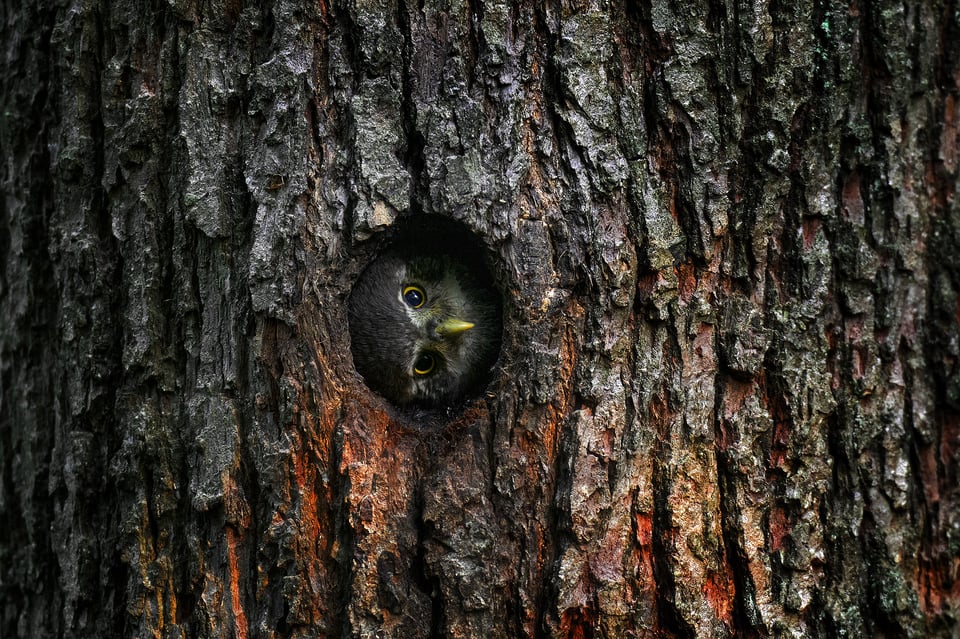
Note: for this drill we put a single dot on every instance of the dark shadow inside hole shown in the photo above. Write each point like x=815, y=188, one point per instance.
x=426, y=316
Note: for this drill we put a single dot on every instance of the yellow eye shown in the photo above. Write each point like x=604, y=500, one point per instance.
x=414, y=296
x=424, y=364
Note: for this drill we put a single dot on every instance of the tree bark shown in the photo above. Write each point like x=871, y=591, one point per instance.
x=726, y=235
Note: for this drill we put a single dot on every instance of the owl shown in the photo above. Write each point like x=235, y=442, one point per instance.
x=424, y=326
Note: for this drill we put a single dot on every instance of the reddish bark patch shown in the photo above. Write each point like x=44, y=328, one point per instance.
x=852, y=200
x=646, y=283
x=578, y=623
x=937, y=583
x=735, y=394
x=687, y=281
x=644, y=531
x=720, y=593
x=781, y=441
x=782, y=425
x=240, y=618
x=779, y=527
x=811, y=226
x=928, y=474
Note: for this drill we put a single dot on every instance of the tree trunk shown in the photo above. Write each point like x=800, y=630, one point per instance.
x=728, y=242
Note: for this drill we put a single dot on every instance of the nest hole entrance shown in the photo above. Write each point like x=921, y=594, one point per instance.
x=426, y=317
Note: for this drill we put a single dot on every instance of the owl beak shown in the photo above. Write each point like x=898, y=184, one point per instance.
x=453, y=326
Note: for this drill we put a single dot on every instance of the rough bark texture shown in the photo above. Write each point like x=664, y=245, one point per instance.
x=728, y=241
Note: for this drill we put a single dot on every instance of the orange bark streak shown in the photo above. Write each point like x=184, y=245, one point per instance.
x=578, y=623
x=644, y=547
x=239, y=617
x=719, y=591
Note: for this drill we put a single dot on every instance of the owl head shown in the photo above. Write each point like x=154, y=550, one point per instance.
x=424, y=326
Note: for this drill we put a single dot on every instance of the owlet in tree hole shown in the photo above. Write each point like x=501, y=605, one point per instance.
x=425, y=326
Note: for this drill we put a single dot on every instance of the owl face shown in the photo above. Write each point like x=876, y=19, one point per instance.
x=424, y=328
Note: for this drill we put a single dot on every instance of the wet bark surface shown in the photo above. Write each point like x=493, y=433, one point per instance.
x=726, y=236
